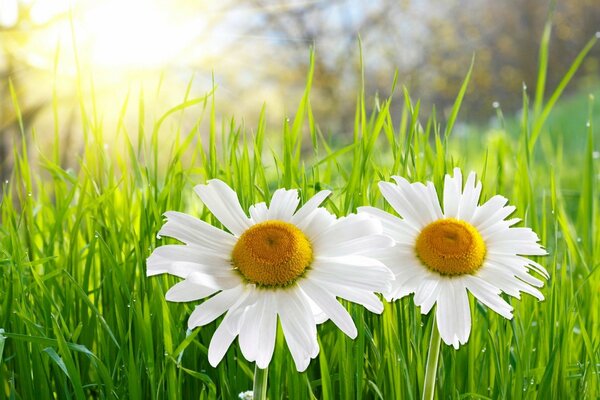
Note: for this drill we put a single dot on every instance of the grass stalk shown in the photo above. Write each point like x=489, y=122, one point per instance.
x=259, y=388
x=431, y=367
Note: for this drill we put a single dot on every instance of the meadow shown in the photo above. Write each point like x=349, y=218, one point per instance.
x=80, y=319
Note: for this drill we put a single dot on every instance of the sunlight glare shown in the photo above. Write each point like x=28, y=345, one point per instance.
x=132, y=34
x=116, y=34
x=9, y=13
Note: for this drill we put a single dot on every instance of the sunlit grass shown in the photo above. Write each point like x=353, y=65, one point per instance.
x=80, y=319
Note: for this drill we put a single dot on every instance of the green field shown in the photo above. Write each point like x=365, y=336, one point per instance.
x=80, y=319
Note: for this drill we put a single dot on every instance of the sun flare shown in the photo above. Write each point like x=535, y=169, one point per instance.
x=133, y=34
x=112, y=35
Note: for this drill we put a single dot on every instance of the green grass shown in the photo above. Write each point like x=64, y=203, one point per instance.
x=80, y=319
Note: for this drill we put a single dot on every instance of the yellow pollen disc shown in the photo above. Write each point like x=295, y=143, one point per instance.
x=272, y=253
x=451, y=247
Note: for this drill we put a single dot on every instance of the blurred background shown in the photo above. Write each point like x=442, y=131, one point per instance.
x=57, y=56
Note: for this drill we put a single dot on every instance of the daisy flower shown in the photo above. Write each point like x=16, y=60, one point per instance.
x=278, y=262
x=439, y=255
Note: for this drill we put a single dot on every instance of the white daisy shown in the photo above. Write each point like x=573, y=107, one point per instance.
x=278, y=262
x=440, y=254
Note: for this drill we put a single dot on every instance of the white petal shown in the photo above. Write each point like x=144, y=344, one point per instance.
x=452, y=193
x=298, y=327
x=318, y=314
x=488, y=294
x=463, y=311
x=331, y=247
x=223, y=336
x=353, y=271
x=488, y=209
x=513, y=265
x=249, y=330
x=219, y=276
x=444, y=313
x=157, y=264
x=416, y=197
x=469, y=198
x=453, y=313
x=223, y=202
x=397, y=292
x=283, y=204
x=191, y=230
x=405, y=284
x=212, y=308
x=258, y=330
x=268, y=332
x=495, y=218
x=347, y=228
x=310, y=206
x=187, y=291
x=507, y=282
x=434, y=200
x=330, y=306
x=426, y=294
x=403, y=203
x=493, y=228
x=316, y=222
x=219, y=279
x=516, y=247
x=501, y=281
x=400, y=259
x=530, y=280
x=228, y=329
x=161, y=258
x=259, y=212
x=408, y=272
x=423, y=199
x=354, y=234
x=535, y=266
x=519, y=263
x=393, y=226
x=524, y=234
x=363, y=297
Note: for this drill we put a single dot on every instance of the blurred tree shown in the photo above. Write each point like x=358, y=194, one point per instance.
x=430, y=43
x=9, y=18
x=505, y=37
x=15, y=26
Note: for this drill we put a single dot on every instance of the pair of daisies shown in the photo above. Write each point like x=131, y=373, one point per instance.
x=293, y=263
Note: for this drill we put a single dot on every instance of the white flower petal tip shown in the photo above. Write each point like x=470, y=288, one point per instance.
x=325, y=193
x=444, y=250
x=283, y=204
x=185, y=291
x=224, y=204
x=310, y=206
x=281, y=262
x=188, y=230
x=153, y=265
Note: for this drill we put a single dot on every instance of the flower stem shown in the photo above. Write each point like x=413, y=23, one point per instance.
x=259, y=391
x=432, y=362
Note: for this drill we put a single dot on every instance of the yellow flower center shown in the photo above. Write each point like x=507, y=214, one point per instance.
x=451, y=247
x=272, y=253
